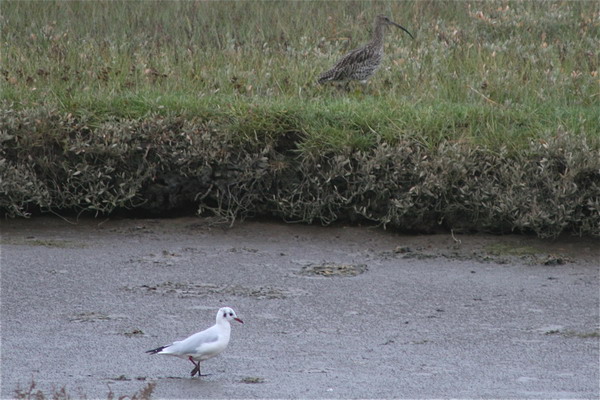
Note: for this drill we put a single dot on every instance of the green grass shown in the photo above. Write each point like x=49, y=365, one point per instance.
x=488, y=120
x=511, y=249
x=491, y=73
x=60, y=244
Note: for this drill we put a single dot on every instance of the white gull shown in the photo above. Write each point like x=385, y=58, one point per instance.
x=202, y=345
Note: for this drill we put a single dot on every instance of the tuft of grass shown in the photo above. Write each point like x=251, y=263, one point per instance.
x=61, y=244
x=503, y=249
x=582, y=335
x=33, y=393
x=252, y=379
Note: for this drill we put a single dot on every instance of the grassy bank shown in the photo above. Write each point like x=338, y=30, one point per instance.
x=505, y=53
x=226, y=166
x=508, y=91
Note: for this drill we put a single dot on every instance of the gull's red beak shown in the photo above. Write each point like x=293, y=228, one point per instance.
x=239, y=320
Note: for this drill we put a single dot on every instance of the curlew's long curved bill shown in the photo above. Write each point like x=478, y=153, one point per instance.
x=403, y=28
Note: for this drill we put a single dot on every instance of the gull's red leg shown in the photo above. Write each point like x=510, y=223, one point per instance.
x=196, y=366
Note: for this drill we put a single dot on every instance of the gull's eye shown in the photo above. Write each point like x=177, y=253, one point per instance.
x=225, y=315
x=231, y=314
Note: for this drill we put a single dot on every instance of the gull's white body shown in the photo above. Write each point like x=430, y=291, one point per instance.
x=202, y=345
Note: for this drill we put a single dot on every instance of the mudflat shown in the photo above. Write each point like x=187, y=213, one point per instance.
x=332, y=312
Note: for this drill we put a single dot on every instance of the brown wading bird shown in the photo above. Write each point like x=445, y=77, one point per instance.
x=360, y=64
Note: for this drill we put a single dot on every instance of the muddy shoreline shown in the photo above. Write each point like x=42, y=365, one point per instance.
x=330, y=312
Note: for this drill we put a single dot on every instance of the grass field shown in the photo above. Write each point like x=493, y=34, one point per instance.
x=514, y=78
x=491, y=72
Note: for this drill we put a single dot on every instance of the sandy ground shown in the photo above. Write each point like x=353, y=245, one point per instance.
x=331, y=312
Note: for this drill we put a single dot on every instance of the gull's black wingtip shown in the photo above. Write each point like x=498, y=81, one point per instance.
x=156, y=350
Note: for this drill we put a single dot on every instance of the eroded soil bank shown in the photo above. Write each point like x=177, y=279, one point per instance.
x=328, y=312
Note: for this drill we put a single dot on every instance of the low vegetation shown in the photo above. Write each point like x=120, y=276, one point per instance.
x=33, y=393
x=488, y=121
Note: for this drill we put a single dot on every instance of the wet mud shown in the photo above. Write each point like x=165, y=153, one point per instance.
x=332, y=312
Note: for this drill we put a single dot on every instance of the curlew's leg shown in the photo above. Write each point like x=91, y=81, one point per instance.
x=366, y=88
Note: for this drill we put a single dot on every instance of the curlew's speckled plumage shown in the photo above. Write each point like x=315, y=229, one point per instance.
x=360, y=64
